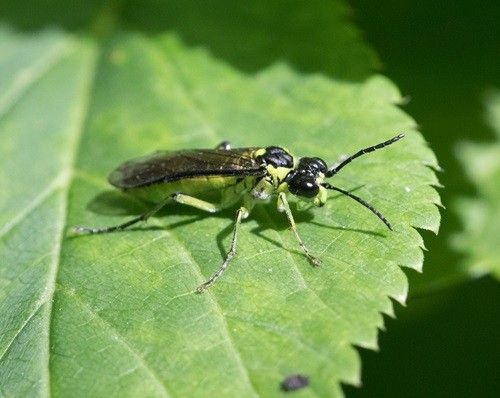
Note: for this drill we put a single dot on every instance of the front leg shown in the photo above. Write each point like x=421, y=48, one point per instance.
x=284, y=207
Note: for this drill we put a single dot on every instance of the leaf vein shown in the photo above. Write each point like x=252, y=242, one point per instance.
x=36, y=202
x=218, y=311
x=27, y=78
x=23, y=326
x=113, y=332
x=299, y=274
x=76, y=131
x=190, y=100
x=209, y=129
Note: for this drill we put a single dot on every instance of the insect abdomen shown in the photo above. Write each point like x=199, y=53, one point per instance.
x=209, y=188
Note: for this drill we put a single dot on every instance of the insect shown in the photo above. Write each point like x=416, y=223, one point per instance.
x=216, y=179
x=294, y=382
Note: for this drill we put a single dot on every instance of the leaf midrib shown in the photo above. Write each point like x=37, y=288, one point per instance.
x=79, y=121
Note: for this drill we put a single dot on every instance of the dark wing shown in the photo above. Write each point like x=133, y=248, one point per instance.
x=161, y=167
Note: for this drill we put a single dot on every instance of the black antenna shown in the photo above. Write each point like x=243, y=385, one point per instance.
x=334, y=170
x=361, y=201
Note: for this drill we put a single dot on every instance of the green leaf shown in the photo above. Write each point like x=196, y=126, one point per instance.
x=115, y=314
x=481, y=215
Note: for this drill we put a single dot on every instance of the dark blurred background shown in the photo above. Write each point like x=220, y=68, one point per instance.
x=444, y=56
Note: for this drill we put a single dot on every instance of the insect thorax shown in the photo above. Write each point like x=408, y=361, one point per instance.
x=277, y=162
x=285, y=173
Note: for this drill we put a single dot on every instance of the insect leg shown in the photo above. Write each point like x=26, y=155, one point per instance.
x=224, y=145
x=184, y=199
x=284, y=207
x=240, y=214
x=142, y=217
x=178, y=197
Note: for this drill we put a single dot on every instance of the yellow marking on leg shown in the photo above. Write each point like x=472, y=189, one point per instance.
x=195, y=202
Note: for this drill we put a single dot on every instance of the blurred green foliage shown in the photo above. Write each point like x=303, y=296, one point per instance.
x=480, y=239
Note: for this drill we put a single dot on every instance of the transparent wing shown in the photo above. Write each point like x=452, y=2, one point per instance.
x=162, y=166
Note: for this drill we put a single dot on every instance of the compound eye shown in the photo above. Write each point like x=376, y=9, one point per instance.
x=303, y=186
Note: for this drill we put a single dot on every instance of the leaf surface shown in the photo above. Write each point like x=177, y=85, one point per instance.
x=115, y=314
